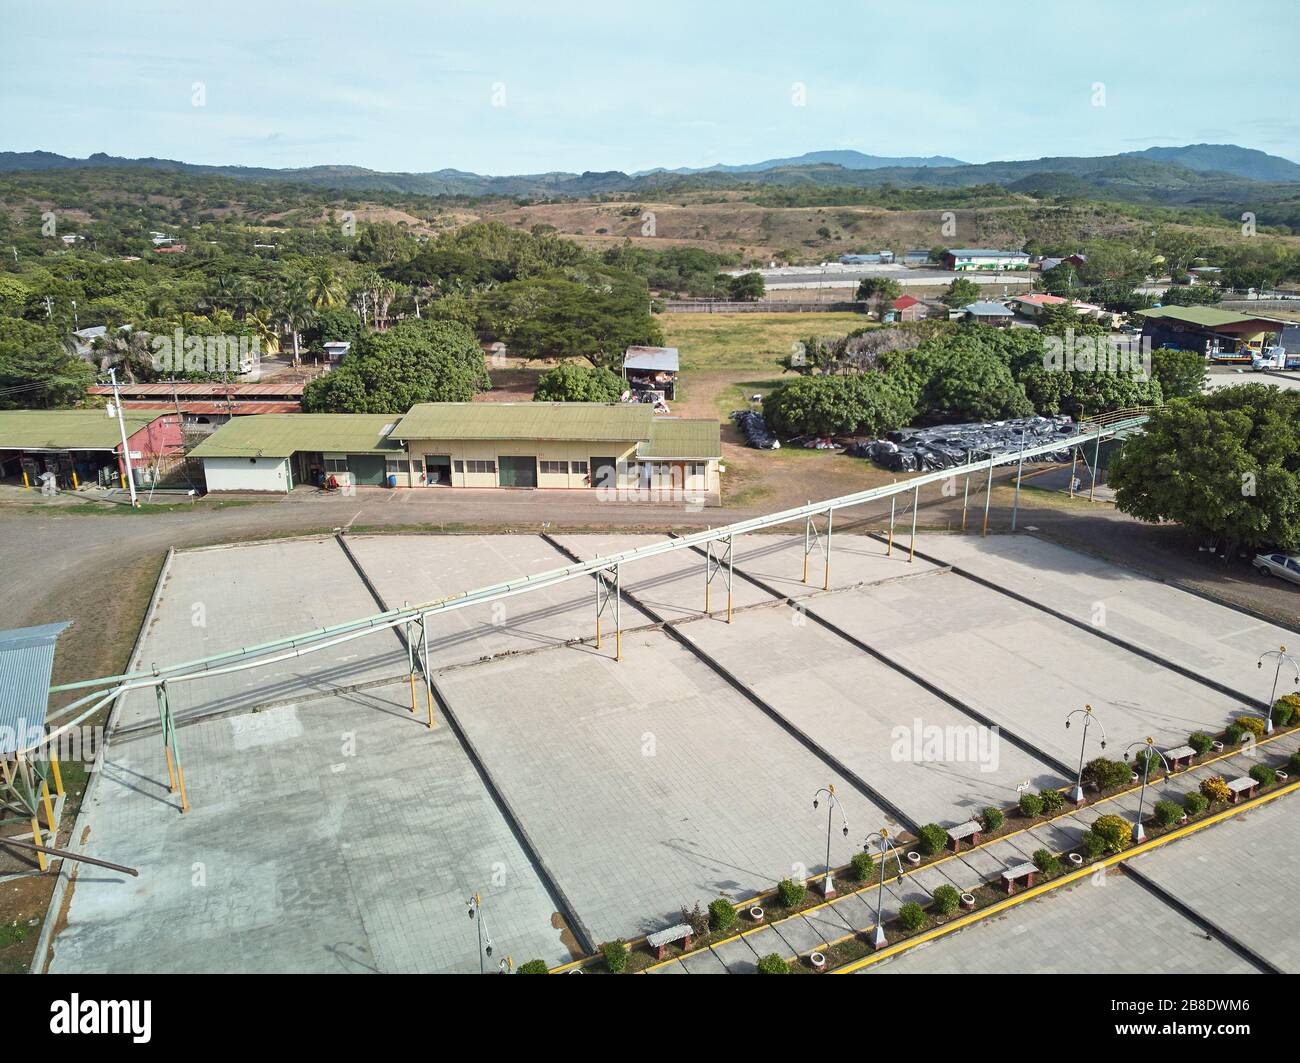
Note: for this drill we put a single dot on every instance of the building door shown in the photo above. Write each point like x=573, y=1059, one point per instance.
x=604, y=473
x=518, y=471
x=437, y=468
x=367, y=469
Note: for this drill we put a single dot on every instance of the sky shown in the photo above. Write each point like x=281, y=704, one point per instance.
x=528, y=87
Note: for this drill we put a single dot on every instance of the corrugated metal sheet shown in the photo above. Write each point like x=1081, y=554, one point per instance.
x=577, y=421
x=279, y=435
x=1205, y=316
x=656, y=359
x=67, y=429
x=128, y=391
x=682, y=438
x=207, y=408
x=26, y=661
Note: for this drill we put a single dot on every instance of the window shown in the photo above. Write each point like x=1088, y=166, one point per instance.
x=578, y=468
x=395, y=466
x=460, y=465
x=419, y=465
x=697, y=468
x=480, y=466
x=555, y=468
x=336, y=464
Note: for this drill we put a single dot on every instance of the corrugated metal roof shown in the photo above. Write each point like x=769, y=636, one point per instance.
x=588, y=421
x=68, y=429
x=236, y=407
x=986, y=252
x=1207, y=316
x=26, y=662
x=279, y=435
x=128, y=391
x=674, y=437
x=657, y=359
x=985, y=309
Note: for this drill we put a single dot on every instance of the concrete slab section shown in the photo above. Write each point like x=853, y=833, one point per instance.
x=422, y=568
x=226, y=598
x=648, y=783
x=1240, y=875
x=931, y=761
x=1210, y=639
x=1022, y=669
x=337, y=835
x=1118, y=928
x=855, y=560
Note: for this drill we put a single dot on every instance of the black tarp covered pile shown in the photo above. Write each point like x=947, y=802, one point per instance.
x=949, y=445
x=754, y=425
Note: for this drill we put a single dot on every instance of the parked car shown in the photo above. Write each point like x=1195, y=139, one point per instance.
x=1283, y=565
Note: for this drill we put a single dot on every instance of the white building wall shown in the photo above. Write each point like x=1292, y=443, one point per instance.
x=247, y=474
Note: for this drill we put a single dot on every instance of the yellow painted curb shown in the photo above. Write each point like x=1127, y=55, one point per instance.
x=1065, y=880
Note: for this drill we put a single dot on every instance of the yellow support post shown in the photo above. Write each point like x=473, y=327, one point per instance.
x=180, y=779
x=49, y=808
x=75, y=486
x=826, y=579
x=26, y=482
x=54, y=768
x=428, y=680
x=36, y=837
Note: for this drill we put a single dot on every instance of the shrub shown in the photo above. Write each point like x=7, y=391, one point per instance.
x=1031, y=805
x=1140, y=759
x=911, y=916
x=1046, y=863
x=991, y=818
x=1263, y=774
x=1216, y=790
x=1294, y=763
x=946, y=899
x=1285, y=709
x=863, y=865
x=791, y=893
x=1234, y=733
x=1105, y=774
x=932, y=838
x=1053, y=800
x=1253, y=724
x=772, y=964
x=578, y=383
x=532, y=967
x=615, y=955
x=1093, y=845
x=1114, y=832
x=722, y=916
x=1194, y=804
x=1167, y=813
x=1200, y=741
x=696, y=918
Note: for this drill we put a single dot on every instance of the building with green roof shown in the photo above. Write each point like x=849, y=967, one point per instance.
x=1220, y=335
x=84, y=446
x=619, y=447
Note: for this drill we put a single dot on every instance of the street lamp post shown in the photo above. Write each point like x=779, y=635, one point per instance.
x=881, y=838
x=832, y=804
x=1149, y=744
x=1088, y=720
x=1279, y=655
x=485, y=945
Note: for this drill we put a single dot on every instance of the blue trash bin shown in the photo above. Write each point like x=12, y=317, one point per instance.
x=392, y=481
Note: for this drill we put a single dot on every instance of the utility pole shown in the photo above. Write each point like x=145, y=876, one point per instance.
x=126, y=447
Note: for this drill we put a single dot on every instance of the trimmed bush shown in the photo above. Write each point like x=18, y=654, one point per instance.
x=1216, y=790
x=615, y=953
x=863, y=865
x=1046, y=863
x=1194, y=804
x=1286, y=709
x=772, y=964
x=1106, y=774
x=1200, y=741
x=1031, y=805
x=1293, y=765
x=911, y=916
x=1167, y=813
x=946, y=900
x=932, y=838
x=532, y=967
x=1253, y=724
x=791, y=893
x=1093, y=845
x=1053, y=800
x=722, y=916
x=1263, y=774
x=1140, y=759
x=1234, y=733
x=991, y=818
x=1114, y=832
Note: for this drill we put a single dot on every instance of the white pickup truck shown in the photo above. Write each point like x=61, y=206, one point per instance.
x=1275, y=358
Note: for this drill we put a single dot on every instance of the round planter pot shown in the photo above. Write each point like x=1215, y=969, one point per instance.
x=1133, y=776
x=1282, y=776
x=1076, y=859
x=1182, y=820
x=756, y=913
x=968, y=901
x=914, y=858
x=1217, y=746
x=818, y=961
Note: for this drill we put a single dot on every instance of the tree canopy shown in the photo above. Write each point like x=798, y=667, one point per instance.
x=578, y=383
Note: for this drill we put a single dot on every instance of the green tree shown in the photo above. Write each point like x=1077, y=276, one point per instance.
x=578, y=383
x=1181, y=373
x=1225, y=465
x=860, y=403
x=36, y=369
x=748, y=287
x=961, y=292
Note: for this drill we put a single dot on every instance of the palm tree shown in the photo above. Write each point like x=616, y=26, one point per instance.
x=296, y=313
x=264, y=325
x=325, y=287
x=127, y=350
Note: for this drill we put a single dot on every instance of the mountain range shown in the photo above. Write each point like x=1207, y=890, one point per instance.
x=1194, y=173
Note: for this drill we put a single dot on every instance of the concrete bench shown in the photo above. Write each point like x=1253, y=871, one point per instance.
x=1180, y=757
x=964, y=832
x=661, y=939
x=1242, y=789
x=1018, y=876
